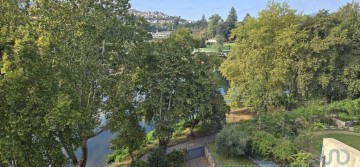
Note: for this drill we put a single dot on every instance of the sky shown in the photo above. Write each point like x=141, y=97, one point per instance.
x=194, y=9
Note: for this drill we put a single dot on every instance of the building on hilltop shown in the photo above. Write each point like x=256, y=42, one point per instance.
x=161, y=35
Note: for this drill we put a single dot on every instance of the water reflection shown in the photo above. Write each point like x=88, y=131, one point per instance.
x=99, y=148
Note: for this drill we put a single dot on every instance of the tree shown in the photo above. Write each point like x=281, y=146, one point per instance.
x=168, y=77
x=26, y=87
x=203, y=22
x=54, y=75
x=224, y=29
x=258, y=68
x=122, y=115
x=232, y=18
x=161, y=79
x=203, y=102
x=247, y=16
x=214, y=21
x=130, y=135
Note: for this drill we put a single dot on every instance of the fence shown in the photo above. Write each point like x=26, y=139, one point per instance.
x=195, y=153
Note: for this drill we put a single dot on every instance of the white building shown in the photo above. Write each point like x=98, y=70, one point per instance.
x=161, y=35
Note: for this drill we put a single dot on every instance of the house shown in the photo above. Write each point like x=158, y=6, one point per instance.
x=161, y=35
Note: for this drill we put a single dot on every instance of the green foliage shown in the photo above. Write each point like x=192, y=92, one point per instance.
x=301, y=159
x=176, y=85
x=150, y=136
x=283, y=150
x=117, y=155
x=176, y=158
x=54, y=67
x=263, y=143
x=139, y=163
x=278, y=124
x=158, y=158
x=282, y=57
x=130, y=135
x=256, y=67
x=232, y=142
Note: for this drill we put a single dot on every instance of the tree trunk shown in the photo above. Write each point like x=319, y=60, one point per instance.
x=84, y=156
x=131, y=155
x=163, y=144
x=192, y=131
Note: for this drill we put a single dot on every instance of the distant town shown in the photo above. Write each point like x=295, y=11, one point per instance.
x=159, y=17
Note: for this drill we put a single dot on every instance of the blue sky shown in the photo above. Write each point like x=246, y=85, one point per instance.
x=194, y=9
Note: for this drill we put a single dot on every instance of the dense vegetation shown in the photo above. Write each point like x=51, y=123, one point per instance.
x=64, y=64
x=286, y=137
x=283, y=57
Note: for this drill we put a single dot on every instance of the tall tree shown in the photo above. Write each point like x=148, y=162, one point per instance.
x=164, y=82
x=27, y=84
x=54, y=68
x=256, y=68
x=214, y=21
x=203, y=22
x=204, y=104
x=165, y=78
x=232, y=18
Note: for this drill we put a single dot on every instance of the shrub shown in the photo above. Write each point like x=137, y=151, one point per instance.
x=150, y=136
x=176, y=158
x=179, y=128
x=301, y=159
x=263, y=143
x=283, y=151
x=139, y=163
x=279, y=124
x=158, y=158
x=232, y=142
x=117, y=155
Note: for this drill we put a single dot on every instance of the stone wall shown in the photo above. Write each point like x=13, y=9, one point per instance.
x=335, y=153
x=211, y=159
x=339, y=123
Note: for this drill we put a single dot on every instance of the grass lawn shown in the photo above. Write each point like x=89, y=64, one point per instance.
x=357, y=127
x=351, y=140
x=224, y=161
x=228, y=46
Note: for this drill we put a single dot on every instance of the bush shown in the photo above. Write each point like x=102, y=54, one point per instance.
x=176, y=158
x=279, y=124
x=301, y=159
x=150, y=136
x=117, y=155
x=139, y=163
x=283, y=151
x=263, y=143
x=158, y=158
x=179, y=128
x=232, y=142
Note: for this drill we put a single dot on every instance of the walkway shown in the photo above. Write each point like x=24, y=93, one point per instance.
x=263, y=163
x=189, y=144
x=199, y=162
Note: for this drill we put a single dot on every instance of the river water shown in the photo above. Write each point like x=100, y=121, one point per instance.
x=99, y=148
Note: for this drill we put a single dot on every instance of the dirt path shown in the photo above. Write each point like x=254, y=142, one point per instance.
x=189, y=144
